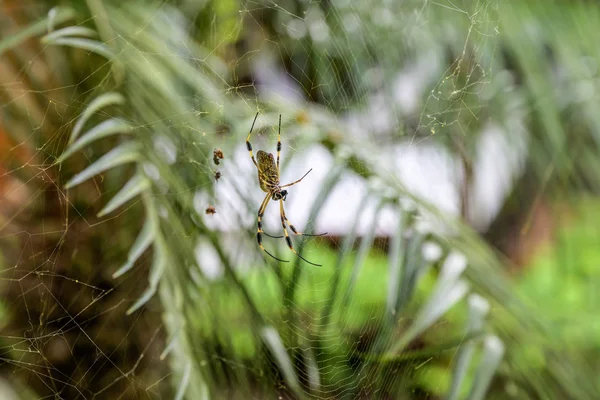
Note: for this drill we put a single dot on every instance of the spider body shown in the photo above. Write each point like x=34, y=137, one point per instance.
x=268, y=178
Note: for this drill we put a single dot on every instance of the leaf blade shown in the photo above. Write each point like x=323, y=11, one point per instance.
x=136, y=185
x=157, y=269
x=107, y=128
x=104, y=100
x=120, y=155
x=69, y=31
x=93, y=46
x=273, y=341
x=142, y=242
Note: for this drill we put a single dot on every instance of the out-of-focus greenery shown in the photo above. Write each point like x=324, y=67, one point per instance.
x=562, y=281
x=128, y=100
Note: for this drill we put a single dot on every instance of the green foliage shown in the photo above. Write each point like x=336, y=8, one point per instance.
x=562, y=282
x=374, y=320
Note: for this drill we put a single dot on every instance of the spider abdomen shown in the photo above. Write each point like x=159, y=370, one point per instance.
x=268, y=177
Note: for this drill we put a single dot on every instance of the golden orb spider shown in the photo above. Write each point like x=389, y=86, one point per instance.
x=268, y=178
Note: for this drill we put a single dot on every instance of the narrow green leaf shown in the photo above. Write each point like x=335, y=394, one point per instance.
x=437, y=305
x=106, y=128
x=312, y=370
x=57, y=15
x=104, y=100
x=396, y=259
x=431, y=252
x=345, y=251
x=478, y=308
x=185, y=380
x=136, y=185
x=325, y=190
x=273, y=341
x=69, y=31
x=363, y=251
x=143, y=299
x=119, y=155
x=170, y=344
x=159, y=264
x=493, y=351
x=93, y=46
x=140, y=245
x=453, y=267
x=414, y=268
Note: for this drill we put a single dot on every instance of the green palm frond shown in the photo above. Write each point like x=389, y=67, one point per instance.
x=152, y=104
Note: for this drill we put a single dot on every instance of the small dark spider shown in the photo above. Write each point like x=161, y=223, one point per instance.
x=268, y=178
x=210, y=210
x=217, y=154
x=217, y=175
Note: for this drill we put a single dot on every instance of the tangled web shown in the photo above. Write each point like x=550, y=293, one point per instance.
x=224, y=320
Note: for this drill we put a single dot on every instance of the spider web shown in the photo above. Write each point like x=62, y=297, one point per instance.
x=378, y=67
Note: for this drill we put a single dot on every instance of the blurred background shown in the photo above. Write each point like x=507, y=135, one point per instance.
x=454, y=148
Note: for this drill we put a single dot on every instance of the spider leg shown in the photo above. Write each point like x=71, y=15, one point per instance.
x=292, y=226
x=287, y=236
x=259, y=232
x=277, y=237
x=278, y=145
x=248, y=145
x=293, y=183
x=260, y=217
